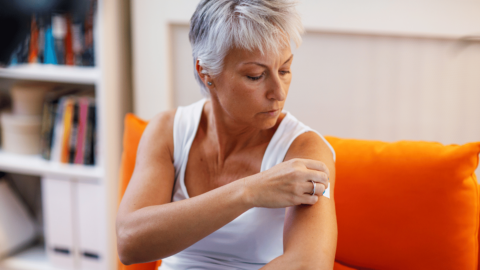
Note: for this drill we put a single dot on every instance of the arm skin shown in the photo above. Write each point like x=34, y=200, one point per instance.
x=310, y=233
x=146, y=217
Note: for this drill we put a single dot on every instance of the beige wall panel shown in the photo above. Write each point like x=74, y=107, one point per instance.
x=185, y=88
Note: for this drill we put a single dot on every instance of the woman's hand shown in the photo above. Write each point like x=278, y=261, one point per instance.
x=287, y=184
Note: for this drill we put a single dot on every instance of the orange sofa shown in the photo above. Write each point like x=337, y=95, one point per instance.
x=402, y=205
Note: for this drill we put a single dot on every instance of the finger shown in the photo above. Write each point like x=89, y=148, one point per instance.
x=307, y=199
x=319, y=188
x=312, y=164
x=317, y=176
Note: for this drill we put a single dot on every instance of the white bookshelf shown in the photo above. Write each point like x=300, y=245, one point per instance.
x=111, y=81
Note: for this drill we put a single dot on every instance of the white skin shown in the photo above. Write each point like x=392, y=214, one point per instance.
x=236, y=125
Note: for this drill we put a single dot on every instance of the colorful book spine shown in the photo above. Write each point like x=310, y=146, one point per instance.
x=82, y=128
x=50, y=56
x=69, y=56
x=73, y=133
x=33, y=52
x=67, y=127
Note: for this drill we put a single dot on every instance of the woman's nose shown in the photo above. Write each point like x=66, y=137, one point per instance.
x=276, y=89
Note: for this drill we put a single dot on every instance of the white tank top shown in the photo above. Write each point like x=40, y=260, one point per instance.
x=255, y=237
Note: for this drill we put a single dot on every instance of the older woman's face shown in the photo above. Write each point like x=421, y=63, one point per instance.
x=252, y=87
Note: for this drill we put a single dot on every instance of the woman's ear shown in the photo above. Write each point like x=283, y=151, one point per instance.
x=202, y=73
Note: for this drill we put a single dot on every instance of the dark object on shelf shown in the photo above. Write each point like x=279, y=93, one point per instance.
x=11, y=33
x=48, y=33
x=73, y=133
x=89, y=156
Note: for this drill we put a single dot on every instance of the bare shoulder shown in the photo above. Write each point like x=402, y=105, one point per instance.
x=153, y=175
x=162, y=122
x=158, y=133
x=310, y=145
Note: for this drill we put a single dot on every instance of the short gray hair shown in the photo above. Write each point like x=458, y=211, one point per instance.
x=219, y=25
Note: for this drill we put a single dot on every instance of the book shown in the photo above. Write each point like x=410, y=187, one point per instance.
x=67, y=126
x=33, y=48
x=59, y=31
x=50, y=56
x=48, y=121
x=89, y=147
x=58, y=131
x=69, y=56
x=82, y=128
x=73, y=132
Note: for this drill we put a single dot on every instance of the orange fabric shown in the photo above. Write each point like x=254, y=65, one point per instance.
x=338, y=266
x=407, y=205
x=134, y=128
x=418, y=207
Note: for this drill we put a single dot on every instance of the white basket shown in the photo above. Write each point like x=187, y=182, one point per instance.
x=21, y=134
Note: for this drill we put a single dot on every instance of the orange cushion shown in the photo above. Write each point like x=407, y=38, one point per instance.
x=338, y=266
x=134, y=128
x=406, y=205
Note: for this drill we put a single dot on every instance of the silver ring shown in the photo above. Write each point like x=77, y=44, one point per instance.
x=314, y=184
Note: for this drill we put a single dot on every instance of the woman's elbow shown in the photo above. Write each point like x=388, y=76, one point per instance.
x=306, y=261
x=124, y=245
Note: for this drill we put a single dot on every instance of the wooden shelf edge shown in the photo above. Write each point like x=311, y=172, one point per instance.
x=36, y=165
x=52, y=73
x=33, y=258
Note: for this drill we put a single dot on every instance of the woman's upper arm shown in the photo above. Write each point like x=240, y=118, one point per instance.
x=153, y=177
x=310, y=232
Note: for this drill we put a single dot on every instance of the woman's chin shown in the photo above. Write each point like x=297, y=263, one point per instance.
x=267, y=122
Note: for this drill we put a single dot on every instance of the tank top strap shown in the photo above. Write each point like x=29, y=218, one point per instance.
x=185, y=125
x=288, y=130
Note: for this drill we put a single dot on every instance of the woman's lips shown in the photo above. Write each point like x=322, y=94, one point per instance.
x=272, y=112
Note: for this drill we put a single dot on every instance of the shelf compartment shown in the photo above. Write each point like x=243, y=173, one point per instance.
x=52, y=73
x=36, y=165
x=34, y=258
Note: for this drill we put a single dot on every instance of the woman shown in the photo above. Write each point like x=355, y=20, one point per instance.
x=232, y=181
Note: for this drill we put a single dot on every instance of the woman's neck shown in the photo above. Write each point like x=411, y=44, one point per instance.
x=229, y=135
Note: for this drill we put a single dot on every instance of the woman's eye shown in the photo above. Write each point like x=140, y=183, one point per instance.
x=255, y=78
x=283, y=72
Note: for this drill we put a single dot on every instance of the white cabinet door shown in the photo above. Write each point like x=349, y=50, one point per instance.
x=91, y=233
x=57, y=196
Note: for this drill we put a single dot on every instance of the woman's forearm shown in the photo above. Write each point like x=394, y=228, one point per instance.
x=155, y=232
